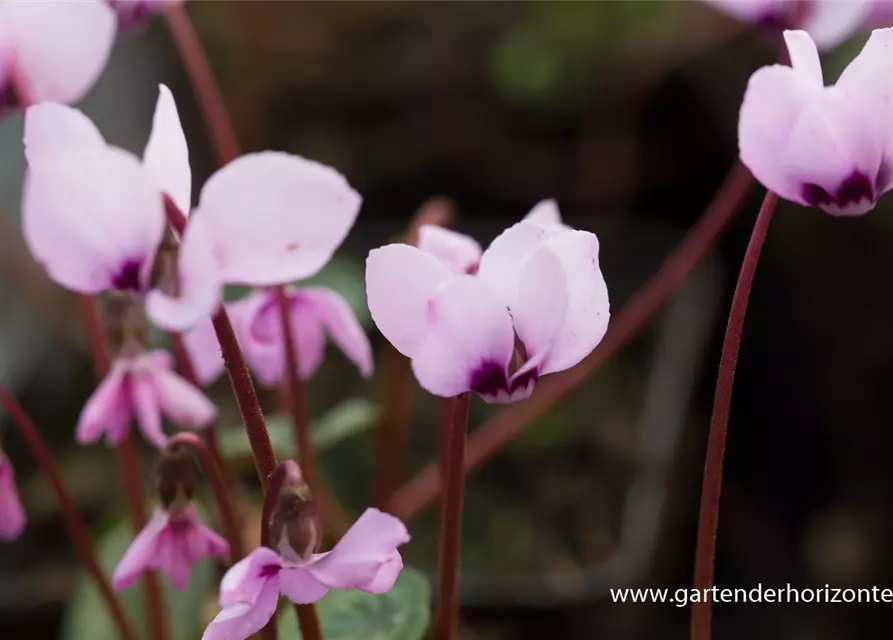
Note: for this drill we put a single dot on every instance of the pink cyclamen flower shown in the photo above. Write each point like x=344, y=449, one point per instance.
x=366, y=558
x=829, y=22
x=136, y=13
x=12, y=515
x=171, y=542
x=265, y=218
x=830, y=147
x=142, y=386
x=535, y=303
x=314, y=312
x=52, y=50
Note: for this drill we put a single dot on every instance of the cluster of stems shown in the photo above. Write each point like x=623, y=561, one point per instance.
x=446, y=477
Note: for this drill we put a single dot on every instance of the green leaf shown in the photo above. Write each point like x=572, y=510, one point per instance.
x=349, y=418
x=400, y=614
x=87, y=617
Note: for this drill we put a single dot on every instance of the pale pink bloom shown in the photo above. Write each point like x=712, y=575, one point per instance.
x=53, y=51
x=314, y=312
x=265, y=218
x=12, y=515
x=366, y=558
x=145, y=387
x=830, y=147
x=171, y=542
x=536, y=304
x=829, y=22
x=136, y=13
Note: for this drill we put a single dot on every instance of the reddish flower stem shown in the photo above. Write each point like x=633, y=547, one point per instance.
x=332, y=513
x=80, y=536
x=708, y=520
x=393, y=428
x=207, y=93
x=308, y=620
x=128, y=468
x=453, y=432
x=217, y=480
x=510, y=423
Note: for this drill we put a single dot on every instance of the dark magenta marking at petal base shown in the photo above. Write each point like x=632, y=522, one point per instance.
x=856, y=188
x=489, y=379
x=128, y=278
x=269, y=570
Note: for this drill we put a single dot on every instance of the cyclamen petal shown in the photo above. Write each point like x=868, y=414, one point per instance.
x=136, y=13
x=546, y=214
x=166, y=157
x=12, y=515
x=459, y=252
x=249, y=593
x=171, y=542
x=57, y=49
x=275, y=218
x=824, y=146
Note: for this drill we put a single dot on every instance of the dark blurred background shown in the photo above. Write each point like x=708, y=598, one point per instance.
x=626, y=112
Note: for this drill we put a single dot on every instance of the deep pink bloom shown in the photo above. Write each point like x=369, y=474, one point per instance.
x=52, y=50
x=366, y=558
x=314, y=312
x=146, y=387
x=265, y=218
x=829, y=22
x=830, y=147
x=172, y=542
x=536, y=303
x=12, y=515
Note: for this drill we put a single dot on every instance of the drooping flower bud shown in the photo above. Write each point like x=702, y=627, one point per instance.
x=174, y=477
x=295, y=526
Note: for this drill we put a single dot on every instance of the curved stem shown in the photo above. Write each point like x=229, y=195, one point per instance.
x=76, y=528
x=453, y=431
x=128, y=467
x=214, y=475
x=332, y=513
x=708, y=519
x=207, y=93
x=510, y=423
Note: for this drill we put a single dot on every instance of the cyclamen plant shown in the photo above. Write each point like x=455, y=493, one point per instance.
x=491, y=322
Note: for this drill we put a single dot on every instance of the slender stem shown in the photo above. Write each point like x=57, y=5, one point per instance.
x=207, y=93
x=332, y=513
x=128, y=468
x=708, y=520
x=510, y=423
x=454, y=427
x=76, y=527
x=216, y=478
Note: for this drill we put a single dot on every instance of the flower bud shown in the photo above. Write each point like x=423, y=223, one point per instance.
x=295, y=527
x=174, y=478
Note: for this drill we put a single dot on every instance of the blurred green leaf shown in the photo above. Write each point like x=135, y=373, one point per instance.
x=349, y=418
x=86, y=615
x=400, y=614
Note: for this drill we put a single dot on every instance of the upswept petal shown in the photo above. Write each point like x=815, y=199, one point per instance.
x=91, y=218
x=51, y=127
x=12, y=515
x=588, y=308
x=359, y=557
x=146, y=407
x=752, y=10
x=468, y=335
x=107, y=411
x=334, y=314
x=804, y=56
x=181, y=401
x=501, y=262
x=301, y=586
x=400, y=282
x=242, y=619
x=830, y=23
x=545, y=213
x=275, y=218
x=61, y=48
x=166, y=157
x=200, y=286
x=459, y=252
x=774, y=102
x=139, y=555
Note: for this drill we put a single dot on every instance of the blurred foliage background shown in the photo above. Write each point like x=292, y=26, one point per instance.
x=626, y=112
